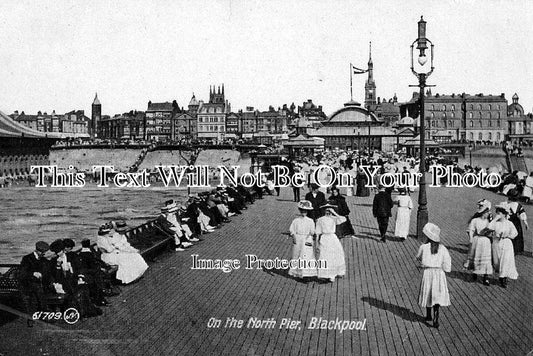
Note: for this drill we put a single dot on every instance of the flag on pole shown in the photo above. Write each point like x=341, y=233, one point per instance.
x=358, y=70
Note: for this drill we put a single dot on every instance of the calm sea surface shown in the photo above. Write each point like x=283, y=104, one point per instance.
x=29, y=214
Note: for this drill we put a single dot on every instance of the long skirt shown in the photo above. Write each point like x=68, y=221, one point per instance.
x=433, y=289
x=480, y=255
x=518, y=241
x=403, y=217
x=131, y=266
x=331, y=251
x=345, y=228
x=503, y=258
x=303, y=249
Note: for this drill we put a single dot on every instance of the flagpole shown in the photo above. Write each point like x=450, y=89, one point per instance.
x=351, y=92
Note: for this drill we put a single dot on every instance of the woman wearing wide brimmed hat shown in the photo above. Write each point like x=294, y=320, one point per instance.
x=329, y=246
x=480, y=252
x=517, y=215
x=345, y=229
x=435, y=260
x=131, y=265
x=302, y=230
x=502, y=247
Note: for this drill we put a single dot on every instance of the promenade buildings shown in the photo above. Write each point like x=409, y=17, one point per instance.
x=462, y=117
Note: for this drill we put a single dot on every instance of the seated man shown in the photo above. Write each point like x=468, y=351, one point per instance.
x=32, y=269
x=68, y=280
x=182, y=233
x=90, y=268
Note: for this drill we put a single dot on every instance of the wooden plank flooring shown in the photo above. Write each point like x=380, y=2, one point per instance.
x=168, y=310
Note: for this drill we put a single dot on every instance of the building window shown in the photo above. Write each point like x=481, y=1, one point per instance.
x=480, y=116
x=471, y=123
x=480, y=107
x=470, y=115
x=499, y=115
x=480, y=124
x=490, y=123
x=453, y=107
x=498, y=138
x=453, y=115
x=450, y=123
x=490, y=108
x=480, y=136
x=499, y=123
x=432, y=107
x=490, y=115
x=443, y=107
x=471, y=136
x=499, y=108
x=490, y=136
x=471, y=106
x=444, y=115
x=432, y=115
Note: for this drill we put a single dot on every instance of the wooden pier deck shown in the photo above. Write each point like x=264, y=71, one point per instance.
x=168, y=311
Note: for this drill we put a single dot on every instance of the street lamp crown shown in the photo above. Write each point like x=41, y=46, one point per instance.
x=422, y=41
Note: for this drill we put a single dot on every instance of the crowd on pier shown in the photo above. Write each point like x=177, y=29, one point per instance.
x=87, y=276
x=82, y=278
x=493, y=239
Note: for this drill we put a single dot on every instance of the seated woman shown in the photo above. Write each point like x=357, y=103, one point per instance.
x=116, y=250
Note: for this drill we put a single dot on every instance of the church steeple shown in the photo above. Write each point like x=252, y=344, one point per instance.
x=370, y=85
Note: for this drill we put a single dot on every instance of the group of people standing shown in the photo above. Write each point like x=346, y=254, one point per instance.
x=314, y=238
x=495, y=239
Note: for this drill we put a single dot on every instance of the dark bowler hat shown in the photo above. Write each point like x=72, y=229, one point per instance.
x=57, y=246
x=42, y=246
x=69, y=243
x=314, y=186
x=86, y=243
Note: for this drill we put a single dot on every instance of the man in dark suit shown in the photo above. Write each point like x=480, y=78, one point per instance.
x=33, y=268
x=381, y=209
x=317, y=199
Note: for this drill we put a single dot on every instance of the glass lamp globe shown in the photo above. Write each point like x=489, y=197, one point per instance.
x=422, y=60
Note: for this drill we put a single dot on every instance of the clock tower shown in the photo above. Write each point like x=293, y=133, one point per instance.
x=370, y=86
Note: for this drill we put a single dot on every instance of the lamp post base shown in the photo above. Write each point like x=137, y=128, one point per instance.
x=421, y=221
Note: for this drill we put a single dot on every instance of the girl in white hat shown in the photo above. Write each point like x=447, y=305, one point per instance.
x=302, y=230
x=480, y=252
x=435, y=260
x=502, y=246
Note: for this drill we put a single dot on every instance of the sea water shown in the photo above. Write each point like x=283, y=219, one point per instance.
x=29, y=214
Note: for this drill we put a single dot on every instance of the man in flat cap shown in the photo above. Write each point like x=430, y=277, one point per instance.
x=33, y=268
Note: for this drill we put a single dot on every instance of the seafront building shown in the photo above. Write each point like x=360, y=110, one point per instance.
x=462, y=117
x=212, y=116
x=127, y=126
x=74, y=121
x=160, y=123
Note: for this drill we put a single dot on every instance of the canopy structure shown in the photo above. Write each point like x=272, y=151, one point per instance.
x=303, y=145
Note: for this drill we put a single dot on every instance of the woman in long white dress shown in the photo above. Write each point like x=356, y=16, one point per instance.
x=302, y=231
x=480, y=251
x=403, y=214
x=116, y=250
x=329, y=246
x=435, y=260
x=502, y=247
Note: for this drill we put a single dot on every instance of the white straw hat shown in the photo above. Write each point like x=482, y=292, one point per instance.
x=432, y=232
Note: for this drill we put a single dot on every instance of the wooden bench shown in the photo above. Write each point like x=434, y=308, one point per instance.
x=10, y=288
x=150, y=238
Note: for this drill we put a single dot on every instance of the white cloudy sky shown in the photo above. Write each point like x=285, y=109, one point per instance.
x=57, y=54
